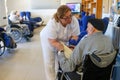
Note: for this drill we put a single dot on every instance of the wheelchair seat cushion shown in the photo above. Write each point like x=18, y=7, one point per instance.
x=9, y=42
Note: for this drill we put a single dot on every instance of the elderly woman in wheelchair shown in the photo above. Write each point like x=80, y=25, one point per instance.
x=94, y=55
x=6, y=41
x=19, y=28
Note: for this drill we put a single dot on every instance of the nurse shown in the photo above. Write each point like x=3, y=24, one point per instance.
x=62, y=27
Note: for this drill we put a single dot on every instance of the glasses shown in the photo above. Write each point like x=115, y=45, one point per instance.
x=67, y=17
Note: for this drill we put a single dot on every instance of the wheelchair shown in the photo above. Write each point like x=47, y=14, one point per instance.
x=95, y=67
x=18, y=31
x=6, y=41
x=2, y=46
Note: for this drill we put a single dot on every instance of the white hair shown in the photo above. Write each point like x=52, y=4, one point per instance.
x=13, y=12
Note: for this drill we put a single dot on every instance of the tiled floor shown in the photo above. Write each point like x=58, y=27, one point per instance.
x=25, y=62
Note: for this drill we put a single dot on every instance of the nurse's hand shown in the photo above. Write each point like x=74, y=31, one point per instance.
x=74, y=37
x=71, y=47
x=58, y=45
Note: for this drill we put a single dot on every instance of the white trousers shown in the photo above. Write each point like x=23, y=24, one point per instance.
x=50, y=60
x=51, y=66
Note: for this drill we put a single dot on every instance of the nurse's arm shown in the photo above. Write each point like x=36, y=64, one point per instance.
x=74, y=37
x=56, y=44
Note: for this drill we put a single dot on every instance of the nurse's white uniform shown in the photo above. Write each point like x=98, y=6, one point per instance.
x=55, y=30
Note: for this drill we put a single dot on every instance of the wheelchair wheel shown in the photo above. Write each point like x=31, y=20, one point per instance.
x=2, y=47
x=16, y=34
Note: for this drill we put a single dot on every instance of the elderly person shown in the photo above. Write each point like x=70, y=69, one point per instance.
x=95, y=41
x=62, y=27
x=14, y=17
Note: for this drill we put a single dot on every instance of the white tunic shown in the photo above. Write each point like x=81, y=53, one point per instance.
x=55, y=30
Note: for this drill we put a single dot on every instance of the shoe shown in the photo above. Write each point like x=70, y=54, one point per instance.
x=14, y=45
x=27, y=38
x=30, y=35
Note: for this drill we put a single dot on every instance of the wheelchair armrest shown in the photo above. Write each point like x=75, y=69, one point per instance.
x=2, y=32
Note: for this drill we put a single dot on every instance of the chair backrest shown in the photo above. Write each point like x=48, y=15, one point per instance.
x=22, y=14
x=83, y=23
x=9, y=21
x=83, y=26
x=83, y=13
x=92, y=15
x=11, y=24
x=28, y=15
x=106, y=21
x=91, y=71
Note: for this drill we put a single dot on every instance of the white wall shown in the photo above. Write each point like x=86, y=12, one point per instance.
x=69, y=1
x=45, y=4
x=22, y=5
x=18, y=5
x=2, y=13
x=45, y=14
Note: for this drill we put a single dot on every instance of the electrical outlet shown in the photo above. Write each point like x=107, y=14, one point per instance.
x=4, y=17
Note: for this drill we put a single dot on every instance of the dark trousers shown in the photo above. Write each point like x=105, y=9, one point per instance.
x=30, y=25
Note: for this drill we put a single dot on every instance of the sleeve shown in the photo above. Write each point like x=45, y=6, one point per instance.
x=52, y=32
x=15, y=19
x=75, y=59
x=75, y=26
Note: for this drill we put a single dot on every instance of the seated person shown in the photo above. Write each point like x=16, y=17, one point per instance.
x=9, y=42
x=95, y=41
x=26, y=15
x=15, y=18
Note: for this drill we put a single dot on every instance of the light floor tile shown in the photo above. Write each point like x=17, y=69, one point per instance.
x=25, y=62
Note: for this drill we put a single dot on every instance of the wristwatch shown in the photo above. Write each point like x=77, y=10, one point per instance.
x=61, y=51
